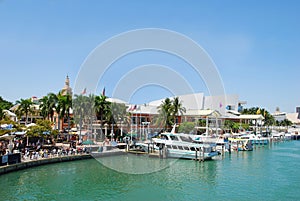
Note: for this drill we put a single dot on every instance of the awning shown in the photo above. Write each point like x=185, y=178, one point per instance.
x=88, y=142
x=7, y=137
x=46, y=133
x=84, y=132
x=7, y=126
x=31, y=124
x=20, y=133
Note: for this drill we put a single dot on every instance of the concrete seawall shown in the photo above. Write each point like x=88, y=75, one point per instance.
x=34, y=163
x=45, y=161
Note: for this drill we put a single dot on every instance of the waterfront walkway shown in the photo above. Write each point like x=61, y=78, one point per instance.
x=42, y=159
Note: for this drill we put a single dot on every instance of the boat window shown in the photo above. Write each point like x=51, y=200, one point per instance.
x=174, y=147
x=193, y=149
x=174, y=138
x=186, y=148
x=169, y=146
x=164, y=137
x=186, y=139
x=180, y=147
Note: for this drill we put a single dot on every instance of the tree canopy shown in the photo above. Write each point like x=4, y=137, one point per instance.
x=4, y=105
x=168, y=111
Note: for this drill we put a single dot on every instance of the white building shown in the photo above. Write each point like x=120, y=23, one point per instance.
x=198, y=101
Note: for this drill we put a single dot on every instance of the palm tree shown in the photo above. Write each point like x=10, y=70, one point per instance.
x=79, y=107
x=90, y=111
x=51, y=104
x=286, y=123
x=119, y=114
x=44, y=107
x=57, y=108
x=65, y=102
x=25, y=107
x=47, y=106
x=102, y=107
x=177, y=108
x=165, y=111
x=4, y=105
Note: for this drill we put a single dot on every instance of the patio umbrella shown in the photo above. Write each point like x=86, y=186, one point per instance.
x=19, y=133
x=7, y=137
x=87, y=142
x=10, y=138
x=31, y=124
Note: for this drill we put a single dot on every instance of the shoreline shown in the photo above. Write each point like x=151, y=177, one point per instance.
x=44, y=161
x=58, y=159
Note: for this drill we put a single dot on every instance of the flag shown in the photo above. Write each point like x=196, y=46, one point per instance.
x=130, y=108
x=258, y=111
x=103, y=92
x=84, y=91
x=133, y=107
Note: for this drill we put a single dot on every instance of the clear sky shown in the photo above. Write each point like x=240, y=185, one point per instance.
x=254, y=44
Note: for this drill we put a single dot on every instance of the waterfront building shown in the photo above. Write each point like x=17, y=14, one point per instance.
x=294, y=117
x=278, y=115
x=33, y=115
x=12, y=116
x=36, y=113
x=198, y=107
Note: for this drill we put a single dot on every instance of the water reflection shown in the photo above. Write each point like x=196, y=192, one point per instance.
x=136, y=164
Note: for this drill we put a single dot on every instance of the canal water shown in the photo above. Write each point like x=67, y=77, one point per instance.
x=267, y=173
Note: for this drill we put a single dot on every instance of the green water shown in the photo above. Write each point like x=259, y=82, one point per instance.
x=269, y=173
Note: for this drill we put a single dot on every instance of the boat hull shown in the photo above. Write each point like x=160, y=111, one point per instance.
x=172, y=153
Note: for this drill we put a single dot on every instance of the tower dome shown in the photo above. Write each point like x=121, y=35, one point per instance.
x=67, y=90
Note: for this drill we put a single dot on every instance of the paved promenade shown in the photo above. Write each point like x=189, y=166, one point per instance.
x=42, y=161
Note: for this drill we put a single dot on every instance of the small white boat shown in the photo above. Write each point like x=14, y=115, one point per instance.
x=277, y=135
x=220, y=141
x=239, y=144
x=256, y=139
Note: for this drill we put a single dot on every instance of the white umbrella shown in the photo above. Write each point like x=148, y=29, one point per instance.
x=10, y=138
x=20, y=133
x=31, y=124
x=7, y=137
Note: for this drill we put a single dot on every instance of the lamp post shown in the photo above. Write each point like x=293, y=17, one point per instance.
x=112, y=132
x=121, y=128
x=105, y=129
x=145, y=133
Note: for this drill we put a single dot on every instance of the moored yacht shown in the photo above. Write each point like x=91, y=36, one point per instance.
x=179, y=145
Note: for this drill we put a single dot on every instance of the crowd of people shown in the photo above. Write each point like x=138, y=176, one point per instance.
x=37, y=150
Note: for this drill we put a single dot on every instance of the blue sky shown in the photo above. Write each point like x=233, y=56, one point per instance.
x=254, y=44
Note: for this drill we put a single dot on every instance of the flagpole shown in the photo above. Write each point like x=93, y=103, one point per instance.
x=130, y=123
x=136, y=123
x=140, y=121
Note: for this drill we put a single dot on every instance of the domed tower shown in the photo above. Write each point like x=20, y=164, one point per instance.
x=67, y=90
